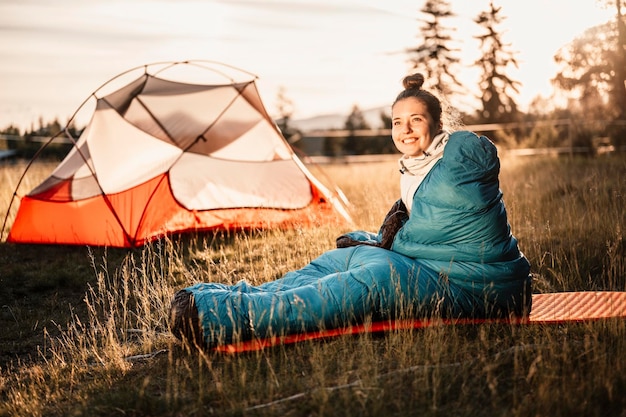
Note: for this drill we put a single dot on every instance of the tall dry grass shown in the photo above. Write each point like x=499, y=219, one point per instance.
x=116, y=356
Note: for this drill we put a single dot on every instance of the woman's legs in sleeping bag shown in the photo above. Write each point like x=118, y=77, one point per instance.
x=339, y=288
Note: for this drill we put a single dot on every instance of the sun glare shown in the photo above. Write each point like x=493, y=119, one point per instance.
x=327, y=56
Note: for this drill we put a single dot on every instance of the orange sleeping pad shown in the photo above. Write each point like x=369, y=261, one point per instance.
x=550, y=308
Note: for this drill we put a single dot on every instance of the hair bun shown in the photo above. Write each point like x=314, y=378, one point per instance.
x=413, y=81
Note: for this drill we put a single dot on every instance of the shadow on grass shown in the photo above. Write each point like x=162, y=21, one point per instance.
x=42, y=286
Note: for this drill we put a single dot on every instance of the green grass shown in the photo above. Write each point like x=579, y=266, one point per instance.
x=85, y=330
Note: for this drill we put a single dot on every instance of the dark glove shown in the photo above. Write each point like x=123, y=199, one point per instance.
x=346, y=240
x=394, y=220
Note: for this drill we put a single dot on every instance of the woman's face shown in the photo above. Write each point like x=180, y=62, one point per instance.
x=412, y=127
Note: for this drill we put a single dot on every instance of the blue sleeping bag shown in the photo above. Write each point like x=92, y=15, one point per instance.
x=455, y=256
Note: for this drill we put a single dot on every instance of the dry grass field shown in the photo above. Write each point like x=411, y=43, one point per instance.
x=85, y=331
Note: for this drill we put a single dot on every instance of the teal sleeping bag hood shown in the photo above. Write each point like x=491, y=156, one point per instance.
x=454, y=256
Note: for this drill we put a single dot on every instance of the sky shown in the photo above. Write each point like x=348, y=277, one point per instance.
x=326, y=55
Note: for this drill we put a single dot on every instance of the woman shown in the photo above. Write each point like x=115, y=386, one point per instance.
x=444, y=249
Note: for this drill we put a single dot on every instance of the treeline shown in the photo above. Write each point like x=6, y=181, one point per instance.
x=26, y=145
x=559, y=129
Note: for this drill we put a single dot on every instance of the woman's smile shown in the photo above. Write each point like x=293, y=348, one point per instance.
x=412, y=129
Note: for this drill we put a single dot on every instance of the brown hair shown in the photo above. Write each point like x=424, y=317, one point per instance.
x=413, y=88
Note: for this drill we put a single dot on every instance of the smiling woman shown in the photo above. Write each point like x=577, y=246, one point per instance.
x=445, y=249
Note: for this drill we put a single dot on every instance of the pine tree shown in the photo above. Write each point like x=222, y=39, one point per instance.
x=595, y=64
x=356, y=120
x=496, y=86
x=284, y=106
x=433, y=57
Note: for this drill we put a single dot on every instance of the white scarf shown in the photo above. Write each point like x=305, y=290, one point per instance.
x=415, y=168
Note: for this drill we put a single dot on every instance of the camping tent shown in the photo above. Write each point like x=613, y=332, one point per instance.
x=184, y=146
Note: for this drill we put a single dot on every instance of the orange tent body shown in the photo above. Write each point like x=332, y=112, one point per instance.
x=160, y=156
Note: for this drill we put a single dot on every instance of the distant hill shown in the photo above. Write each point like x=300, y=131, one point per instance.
x=337, y=121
